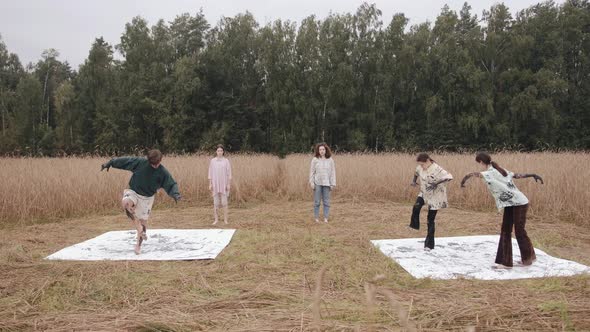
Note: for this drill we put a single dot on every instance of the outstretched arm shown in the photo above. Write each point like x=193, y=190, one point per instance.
x=534, y=176
x=442, y=181
x=442, y=177
x=106, y=165
x=433, y=185
x=126, y=163
x=468, y=176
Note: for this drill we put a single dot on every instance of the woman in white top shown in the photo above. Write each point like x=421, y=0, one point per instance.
x=219, y=182
x=515, y=205
x=322, y=179
x=433, y=191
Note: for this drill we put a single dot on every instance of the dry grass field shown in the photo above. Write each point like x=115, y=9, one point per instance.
x=36, y=190
x=282, y=272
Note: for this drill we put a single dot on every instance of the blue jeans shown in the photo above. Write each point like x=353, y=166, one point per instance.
x=321, y=193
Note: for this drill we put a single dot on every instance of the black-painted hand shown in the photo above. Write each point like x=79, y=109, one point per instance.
x=177, y=198
x=431, y=186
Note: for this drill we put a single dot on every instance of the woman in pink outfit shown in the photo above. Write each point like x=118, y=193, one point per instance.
x=219, y=182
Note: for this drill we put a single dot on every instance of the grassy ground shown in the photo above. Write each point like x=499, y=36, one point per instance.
x=281, y=272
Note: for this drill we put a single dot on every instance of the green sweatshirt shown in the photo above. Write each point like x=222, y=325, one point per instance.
x=146, y=180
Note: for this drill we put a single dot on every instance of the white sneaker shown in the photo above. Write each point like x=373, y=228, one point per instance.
x=427, y=249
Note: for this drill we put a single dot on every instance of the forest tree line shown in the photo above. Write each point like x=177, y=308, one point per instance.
x=352, y=80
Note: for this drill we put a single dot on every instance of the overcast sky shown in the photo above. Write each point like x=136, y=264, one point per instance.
x=70, y=26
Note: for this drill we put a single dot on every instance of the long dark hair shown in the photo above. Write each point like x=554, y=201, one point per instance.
x=423, y=157
x=484, y=157
x=316, y=150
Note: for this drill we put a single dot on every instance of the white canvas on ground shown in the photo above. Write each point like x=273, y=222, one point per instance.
x=471, y=257
x=161, y=245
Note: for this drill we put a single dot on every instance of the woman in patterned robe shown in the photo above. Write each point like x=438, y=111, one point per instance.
x=515, y=205
x=433, y=191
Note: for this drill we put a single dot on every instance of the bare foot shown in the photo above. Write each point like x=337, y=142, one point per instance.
x=215, y=222
x=501, y=267
x=225, y=222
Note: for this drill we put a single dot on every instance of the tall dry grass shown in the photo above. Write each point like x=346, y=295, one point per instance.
x=46, y=189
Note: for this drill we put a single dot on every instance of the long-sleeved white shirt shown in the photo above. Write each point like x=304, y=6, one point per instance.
x=322, y=172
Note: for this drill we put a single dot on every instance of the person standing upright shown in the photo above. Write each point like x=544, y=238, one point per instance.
x=322, y=179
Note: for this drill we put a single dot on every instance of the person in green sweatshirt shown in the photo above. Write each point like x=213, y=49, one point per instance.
x=148, y=176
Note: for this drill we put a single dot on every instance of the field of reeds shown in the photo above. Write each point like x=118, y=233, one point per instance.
x=282, y=271
x=45, y=189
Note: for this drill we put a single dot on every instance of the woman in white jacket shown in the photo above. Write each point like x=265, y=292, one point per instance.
x=433, y=191
x=515, y=205
x=322, y=179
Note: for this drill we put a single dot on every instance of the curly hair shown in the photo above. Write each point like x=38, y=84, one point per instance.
x=316, y=150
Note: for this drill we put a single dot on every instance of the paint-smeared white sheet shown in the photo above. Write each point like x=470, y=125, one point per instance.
x=471, y=257
x=162, y=244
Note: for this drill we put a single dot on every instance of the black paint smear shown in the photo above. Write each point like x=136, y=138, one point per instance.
x=505, y=196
